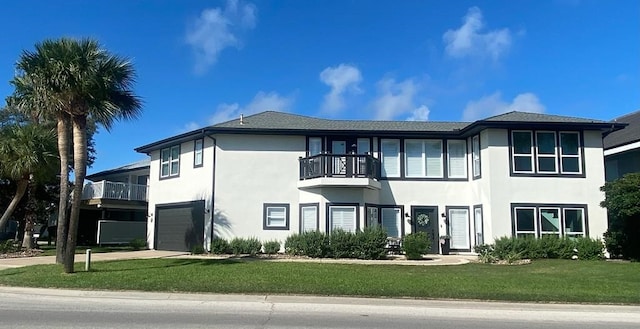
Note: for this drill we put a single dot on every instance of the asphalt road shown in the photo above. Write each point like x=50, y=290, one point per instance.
x=42, y=308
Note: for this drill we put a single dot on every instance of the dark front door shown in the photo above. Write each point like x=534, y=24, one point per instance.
x=425, y=219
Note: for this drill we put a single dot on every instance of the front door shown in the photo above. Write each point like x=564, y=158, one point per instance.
x=425, y=219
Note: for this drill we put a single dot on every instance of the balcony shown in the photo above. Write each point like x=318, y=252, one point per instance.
x=339, y=170
x=114, y=191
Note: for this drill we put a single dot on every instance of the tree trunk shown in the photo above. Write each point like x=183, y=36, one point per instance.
x=20, y=190
x=29, y=217
x=80, y=170
x=63, y=150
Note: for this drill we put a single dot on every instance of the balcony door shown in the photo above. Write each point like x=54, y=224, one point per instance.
x=339, y=163
x=349, y=145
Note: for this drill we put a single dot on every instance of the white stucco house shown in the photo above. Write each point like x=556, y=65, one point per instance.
x=273, y=174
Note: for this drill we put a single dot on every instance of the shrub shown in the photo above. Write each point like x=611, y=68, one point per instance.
x=271, y=247
x=315, y=244
x=293, y=245
x=485, y=252
x=251, y=246
x=8, y=246
x=589, y=249
x=138, y=244
x=342, y=244
x=371, y=243
x=553, y=247
x=220, y=246
x=415, y=245
x=197, y=250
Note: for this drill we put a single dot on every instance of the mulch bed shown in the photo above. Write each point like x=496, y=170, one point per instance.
x=22, y=253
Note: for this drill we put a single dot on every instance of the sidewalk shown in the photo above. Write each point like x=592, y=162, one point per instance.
x=147, y=254
x=80, y=258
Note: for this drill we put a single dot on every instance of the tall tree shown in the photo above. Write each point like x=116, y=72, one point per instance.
x=27, y=155
x=75, y=80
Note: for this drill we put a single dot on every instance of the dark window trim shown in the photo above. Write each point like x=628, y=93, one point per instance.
x=475, y=230
x=195, y=143
x=448, y=228
x=390, y=206
x=445, y=161
x=265, y=206
x=341, y=204
x=537, y=207
x=534, y=154
x=474, y=177
x=304, y=205
x=160, y=160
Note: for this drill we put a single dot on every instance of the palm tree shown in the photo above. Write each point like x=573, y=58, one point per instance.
x=75, y=80
x=27, y=155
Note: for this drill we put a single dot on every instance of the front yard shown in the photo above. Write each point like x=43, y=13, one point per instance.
x=542, y=281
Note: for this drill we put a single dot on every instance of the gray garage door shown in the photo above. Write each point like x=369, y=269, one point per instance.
x=179, y=226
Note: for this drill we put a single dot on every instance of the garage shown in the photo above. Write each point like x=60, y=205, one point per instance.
x=179, y=226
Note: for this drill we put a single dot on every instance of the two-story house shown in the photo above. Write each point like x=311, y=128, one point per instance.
x=273, y=174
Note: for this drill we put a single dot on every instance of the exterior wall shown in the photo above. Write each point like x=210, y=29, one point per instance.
x=251, y=170
x=191, y=184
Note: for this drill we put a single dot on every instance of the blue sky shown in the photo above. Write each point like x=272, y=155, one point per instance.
x=202, y=62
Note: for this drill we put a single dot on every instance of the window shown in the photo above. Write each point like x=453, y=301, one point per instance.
x=522, y=152
x=459, y=227
x=170, y=161
x=342, y=217
x=390, y=149
x=315, y=146
x=525, y=222
x=546, y=153
x=197, y=152
x=549, y=220
x=570, y=153
x=475, y=145
x=363, y=146
x=391, y=221
x=372, y=216
x=457, y=158
x=275, y=216
x=308, y=217
x=546, y=148
x=423, y=158
x=478, y=224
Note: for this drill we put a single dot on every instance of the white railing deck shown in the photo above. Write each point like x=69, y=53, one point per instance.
x=114, y=191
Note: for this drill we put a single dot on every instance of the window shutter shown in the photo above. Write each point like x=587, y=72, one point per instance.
x=390, y=158
x=415, y=162
x=457, y=159
x=433, y=151
x=343, y=218
x=459, y=223
x=309, y=218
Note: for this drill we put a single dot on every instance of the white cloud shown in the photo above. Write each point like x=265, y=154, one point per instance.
x=420, y=114
x=342, y=79
x=493, y=105
x=395, y=99
x=470, y=40
x=263, y=101
x=216, y=29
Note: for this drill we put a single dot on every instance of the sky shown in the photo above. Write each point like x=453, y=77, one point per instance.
x=203, y=62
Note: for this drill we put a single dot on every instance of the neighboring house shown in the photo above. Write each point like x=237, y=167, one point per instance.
x=273, y=174
x=622, y=148
x=114, y=207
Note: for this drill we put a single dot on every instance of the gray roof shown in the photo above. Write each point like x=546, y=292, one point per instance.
x=628, y=135
x=142, y=164
x=271, y=122
x=516, y=116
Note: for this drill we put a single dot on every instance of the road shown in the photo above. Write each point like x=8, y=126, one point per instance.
x=44, y=308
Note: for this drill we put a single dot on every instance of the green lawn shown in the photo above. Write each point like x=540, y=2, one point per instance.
x=543, y=280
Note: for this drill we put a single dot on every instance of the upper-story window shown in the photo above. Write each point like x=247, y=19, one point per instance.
x=457, y=158
x=423, y=158
x=170, y=161
x=546, y=152
x=390, y=157
x=475, y=151
x=197, y=152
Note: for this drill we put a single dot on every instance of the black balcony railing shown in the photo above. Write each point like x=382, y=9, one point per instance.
x=339, y=165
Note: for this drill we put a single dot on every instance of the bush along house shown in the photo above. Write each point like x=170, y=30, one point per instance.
x=273, y=174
